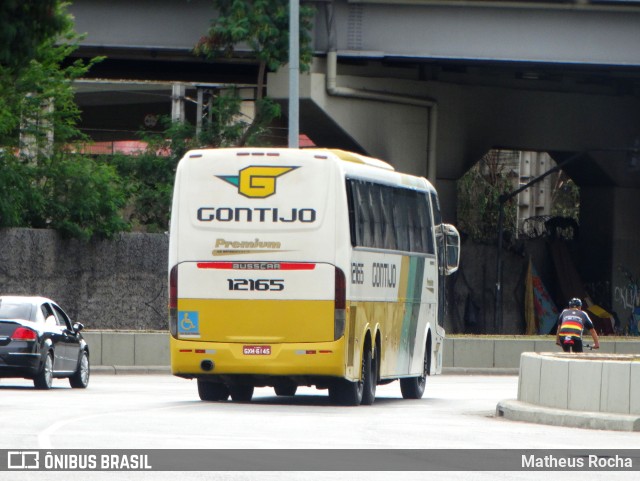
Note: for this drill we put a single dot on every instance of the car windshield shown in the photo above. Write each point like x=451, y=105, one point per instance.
x=15, y=311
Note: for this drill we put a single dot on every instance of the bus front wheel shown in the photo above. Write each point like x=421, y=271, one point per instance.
x=212, y=391
x=413, y=387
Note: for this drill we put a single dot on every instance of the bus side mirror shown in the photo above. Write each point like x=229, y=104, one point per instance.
x=452, y=248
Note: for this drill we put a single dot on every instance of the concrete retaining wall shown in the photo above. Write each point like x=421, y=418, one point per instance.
x=590, y=382
x=115, y=284
x=111, y=348
x=505, y=353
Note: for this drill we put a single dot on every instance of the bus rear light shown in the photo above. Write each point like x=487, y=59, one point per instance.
x=173, y=301
x=24, y=334
x=340, y=301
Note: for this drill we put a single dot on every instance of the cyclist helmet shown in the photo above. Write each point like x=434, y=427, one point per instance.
x=575, y=302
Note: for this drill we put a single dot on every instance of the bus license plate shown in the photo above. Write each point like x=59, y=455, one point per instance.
x=256, y=350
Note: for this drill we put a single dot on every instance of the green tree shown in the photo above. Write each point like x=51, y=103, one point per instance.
x=44, y=183
x=82, y=198
x=263, y=26
x=24, y=25
x=149, y=174
x=565, y=201
x=479, y=191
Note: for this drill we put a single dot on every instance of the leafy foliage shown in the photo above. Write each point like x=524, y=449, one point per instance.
x=20, y=196
x=47, y=184
x=263, y=25
x=148, y=176
x=565, y=198
x=82, y=198
x=479, y=192
x=25, y=25
x=43, y=183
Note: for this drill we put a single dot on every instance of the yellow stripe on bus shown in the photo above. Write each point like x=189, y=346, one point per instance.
x=260, y=320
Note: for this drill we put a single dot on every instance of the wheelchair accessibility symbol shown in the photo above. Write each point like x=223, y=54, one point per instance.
x=188, y=325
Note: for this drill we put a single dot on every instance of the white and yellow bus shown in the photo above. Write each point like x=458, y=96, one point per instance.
x=305, y=267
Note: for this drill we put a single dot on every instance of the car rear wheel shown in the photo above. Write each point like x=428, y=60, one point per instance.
x=80, y=378
x=44, y=378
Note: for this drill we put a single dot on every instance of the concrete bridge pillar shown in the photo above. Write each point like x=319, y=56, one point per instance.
x=609, y=230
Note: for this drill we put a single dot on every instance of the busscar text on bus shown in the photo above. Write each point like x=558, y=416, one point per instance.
x=310, y=267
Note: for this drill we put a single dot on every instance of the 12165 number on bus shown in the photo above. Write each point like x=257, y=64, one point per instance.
x=256, y=284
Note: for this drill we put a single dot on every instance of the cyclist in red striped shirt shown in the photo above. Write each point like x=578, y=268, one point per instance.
x=571, y=323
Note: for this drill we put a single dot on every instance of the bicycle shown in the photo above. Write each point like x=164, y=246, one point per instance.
x=585, y=346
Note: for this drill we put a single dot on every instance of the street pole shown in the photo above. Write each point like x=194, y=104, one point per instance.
x=294, y=73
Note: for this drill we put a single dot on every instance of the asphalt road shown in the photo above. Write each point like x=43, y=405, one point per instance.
x=163, y=412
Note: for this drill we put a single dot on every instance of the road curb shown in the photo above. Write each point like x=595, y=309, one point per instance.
x=122, y=370
x=520, y=411
x=487, y=371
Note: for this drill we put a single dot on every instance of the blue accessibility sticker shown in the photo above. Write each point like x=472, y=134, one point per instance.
x=188, y=324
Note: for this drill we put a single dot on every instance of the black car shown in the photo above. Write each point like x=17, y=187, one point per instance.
x=39, y=342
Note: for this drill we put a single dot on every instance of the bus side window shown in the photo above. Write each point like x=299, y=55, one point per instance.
x=435, y=205
x=425, y=224
x=400, y=219
x=386, y=199
x=376, y=216
x=353, y=225
x=363, y=215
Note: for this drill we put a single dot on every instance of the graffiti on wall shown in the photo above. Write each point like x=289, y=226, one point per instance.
x=628, y=296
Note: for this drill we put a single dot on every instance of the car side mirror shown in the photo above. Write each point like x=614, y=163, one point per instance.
x=78, y=326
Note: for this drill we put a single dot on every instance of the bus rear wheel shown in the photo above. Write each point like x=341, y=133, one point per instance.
x=285, y=389
x=241, y=393
x=212, y=391
x=348, y=393
x=370, y=376
x=345, y=393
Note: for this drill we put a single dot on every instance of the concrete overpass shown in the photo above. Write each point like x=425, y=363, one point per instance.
x=428, y=85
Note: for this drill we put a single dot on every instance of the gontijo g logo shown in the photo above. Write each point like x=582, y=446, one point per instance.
x=257, y=181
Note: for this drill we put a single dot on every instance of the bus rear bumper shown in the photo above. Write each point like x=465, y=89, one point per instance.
x=211, y=359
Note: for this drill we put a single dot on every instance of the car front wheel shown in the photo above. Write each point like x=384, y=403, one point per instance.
x=80, y=378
